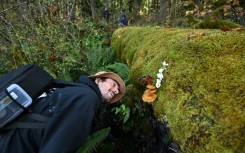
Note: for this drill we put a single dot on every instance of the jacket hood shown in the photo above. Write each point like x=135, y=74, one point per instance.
x=87, y=81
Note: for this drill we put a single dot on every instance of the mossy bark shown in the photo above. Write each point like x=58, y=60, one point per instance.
x=203, y=91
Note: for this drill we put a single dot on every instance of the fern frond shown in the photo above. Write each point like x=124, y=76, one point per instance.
x=121, y=69
x=100, y=57
x=94, y=140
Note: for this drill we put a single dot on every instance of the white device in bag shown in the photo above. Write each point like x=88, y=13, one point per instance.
x=11, y=107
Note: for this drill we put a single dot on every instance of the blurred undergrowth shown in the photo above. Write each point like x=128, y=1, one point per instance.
x=63, y=48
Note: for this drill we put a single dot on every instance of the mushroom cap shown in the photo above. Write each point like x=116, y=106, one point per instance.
x=152, y=90
x=150, y=86
x=148, y=96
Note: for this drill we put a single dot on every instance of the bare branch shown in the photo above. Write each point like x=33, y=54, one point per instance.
x=6, y=37
x=72, y=9
x=13, y=7
x=8, y=31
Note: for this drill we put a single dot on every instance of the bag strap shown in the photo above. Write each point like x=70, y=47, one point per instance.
x=62, y=83
x=26, y=125
x=38, y=117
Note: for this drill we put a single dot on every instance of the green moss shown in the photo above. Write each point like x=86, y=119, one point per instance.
x=216, y=24
x=203, y=92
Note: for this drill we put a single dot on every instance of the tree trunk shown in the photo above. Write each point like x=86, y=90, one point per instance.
x=160, y=12
x=172, y=12
x=72, y=13
x=163, y=12
x=93, y=9
x=136, y=10
x=130, y=6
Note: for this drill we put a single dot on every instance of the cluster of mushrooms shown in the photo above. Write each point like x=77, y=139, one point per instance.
x=149, y=94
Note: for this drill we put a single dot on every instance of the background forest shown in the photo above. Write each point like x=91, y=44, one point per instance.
x=66, y=34
x=70, y=37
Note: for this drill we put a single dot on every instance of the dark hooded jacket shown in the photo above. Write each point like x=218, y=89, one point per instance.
x=71, y=112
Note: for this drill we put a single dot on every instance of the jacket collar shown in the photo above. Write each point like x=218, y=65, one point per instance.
x=89, y=82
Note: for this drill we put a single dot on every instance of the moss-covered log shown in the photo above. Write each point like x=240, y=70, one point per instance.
x=203, y=91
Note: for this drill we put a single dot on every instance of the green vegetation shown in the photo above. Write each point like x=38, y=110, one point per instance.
x=124, y=110
x=202, y=94
x=63, y=50
x=94, y=140
x=212, y=24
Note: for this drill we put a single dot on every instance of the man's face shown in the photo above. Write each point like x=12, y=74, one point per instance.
x=108, y=88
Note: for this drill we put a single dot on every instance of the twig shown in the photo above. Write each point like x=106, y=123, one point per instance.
x=71, y=11
x=13, y=7
x=6, y=37
x=6, y=22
